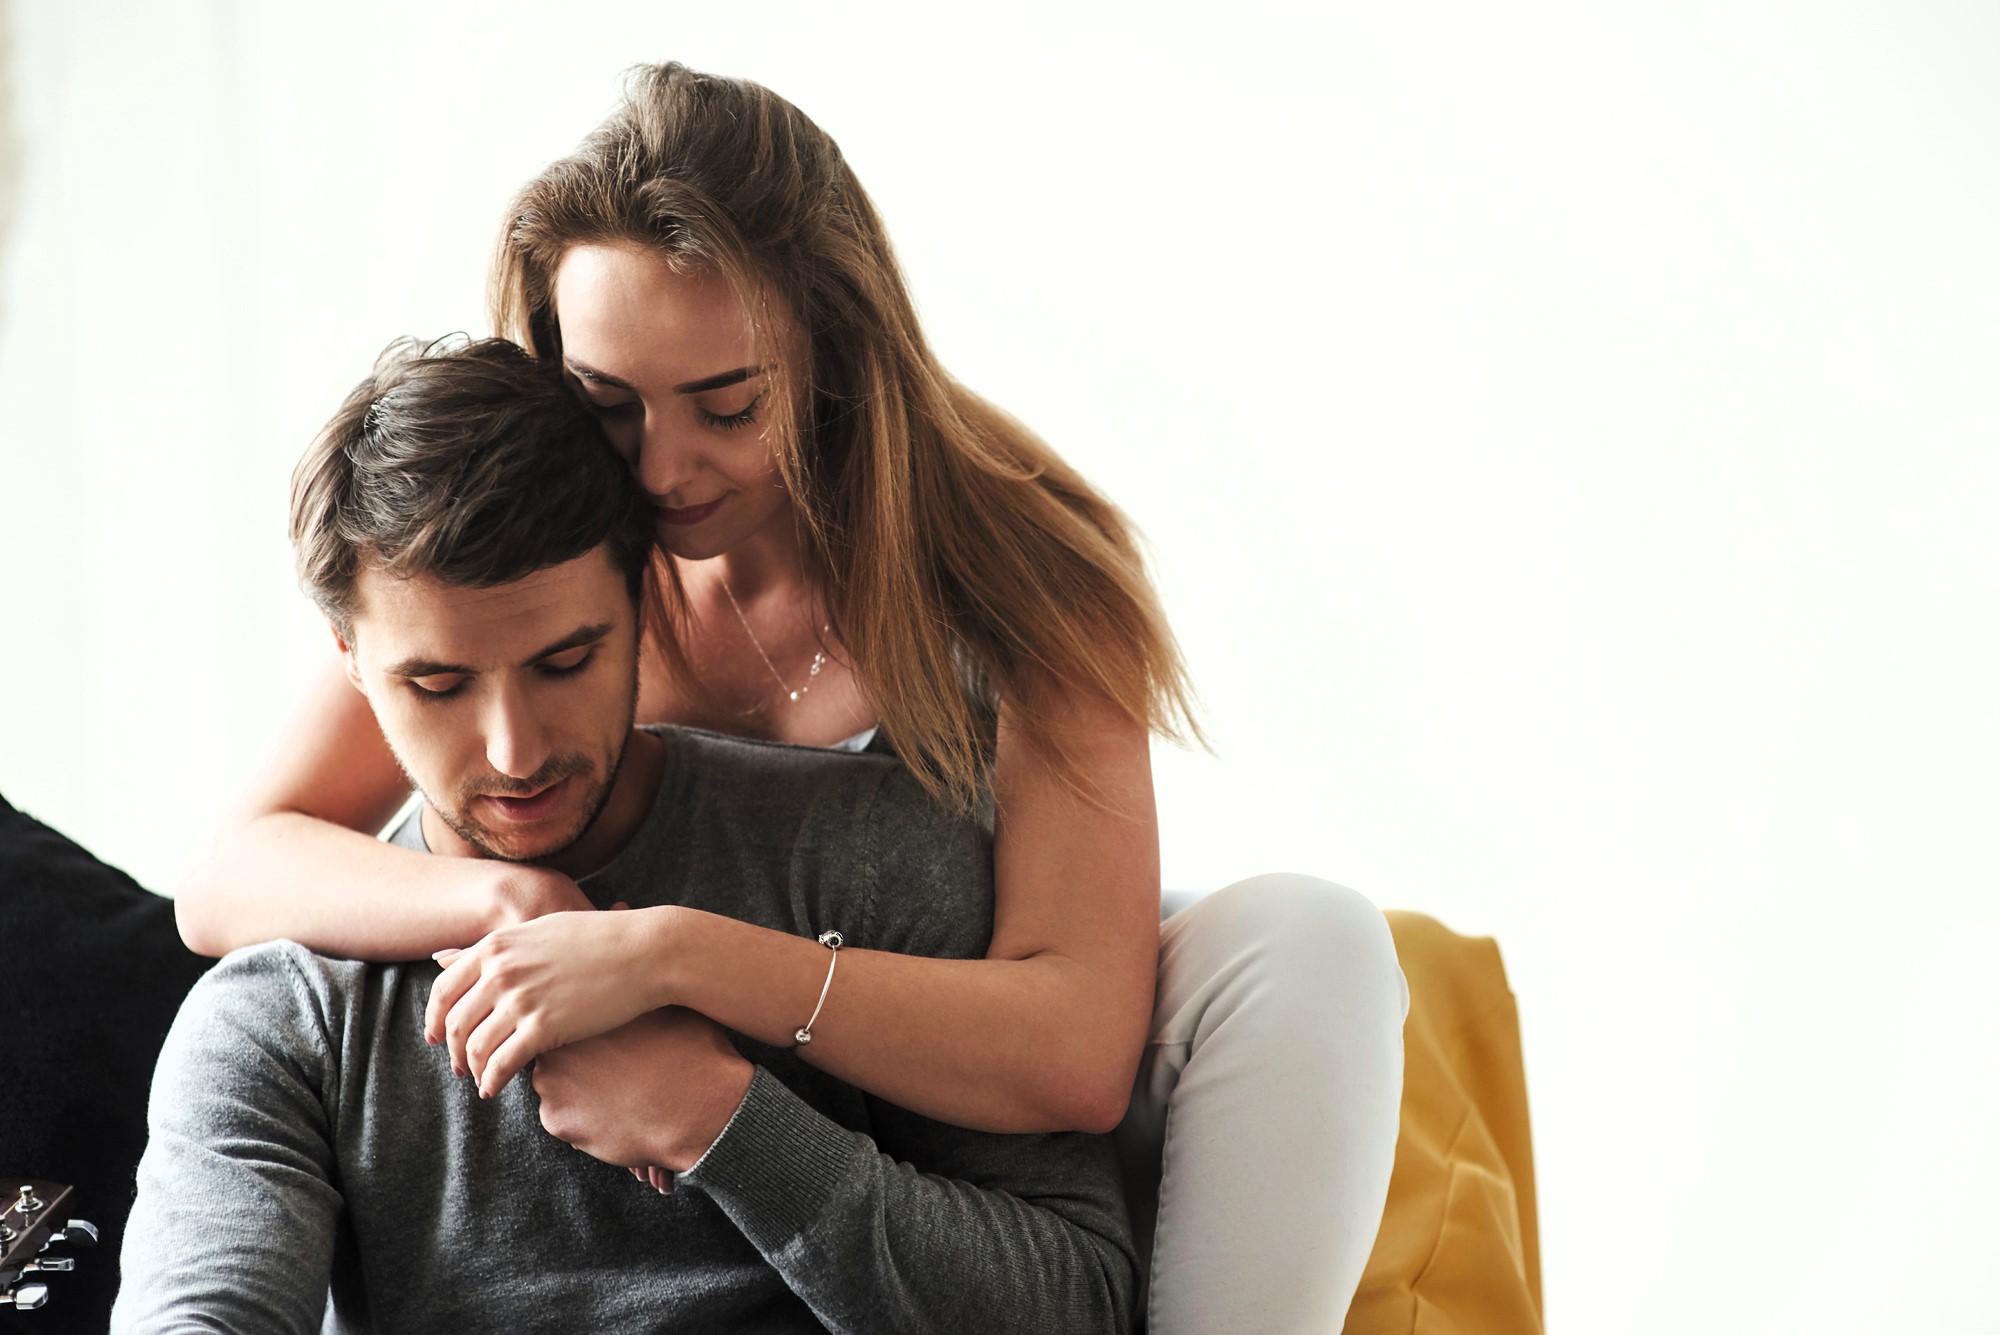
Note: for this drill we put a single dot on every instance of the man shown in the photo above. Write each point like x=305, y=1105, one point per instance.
x=479, y=552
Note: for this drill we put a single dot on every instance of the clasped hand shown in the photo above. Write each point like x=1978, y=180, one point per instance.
x=525, y=989
x=621, y=1076
x=651, y=1095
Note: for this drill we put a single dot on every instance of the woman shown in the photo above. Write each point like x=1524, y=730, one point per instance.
x=854, y=547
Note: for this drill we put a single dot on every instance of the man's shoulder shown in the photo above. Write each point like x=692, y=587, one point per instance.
x=406, y=827
x=923, y=870
x=720, y=758
x=277, y=999
x=747, y=780
x=699, y=746
x=763, y=778
x=274, y=973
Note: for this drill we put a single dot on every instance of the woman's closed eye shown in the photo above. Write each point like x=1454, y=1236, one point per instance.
x=613, y=410
x=731, y=421
x=587, y=388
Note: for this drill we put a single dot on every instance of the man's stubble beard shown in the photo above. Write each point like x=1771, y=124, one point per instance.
x=568, y=764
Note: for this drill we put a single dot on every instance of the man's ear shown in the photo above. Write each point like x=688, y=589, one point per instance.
x=347, y=658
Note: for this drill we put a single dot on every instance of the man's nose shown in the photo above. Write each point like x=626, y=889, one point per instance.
x=516, y=740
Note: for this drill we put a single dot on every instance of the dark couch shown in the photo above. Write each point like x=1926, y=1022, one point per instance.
x=91, y=973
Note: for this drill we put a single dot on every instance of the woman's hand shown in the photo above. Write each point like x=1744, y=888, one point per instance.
x=538, y=985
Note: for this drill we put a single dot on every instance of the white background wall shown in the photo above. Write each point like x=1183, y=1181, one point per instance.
x=1566, y=431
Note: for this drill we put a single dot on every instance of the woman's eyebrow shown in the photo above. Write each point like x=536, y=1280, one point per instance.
x=727, y=378
x=578, y=369
x=701, y=386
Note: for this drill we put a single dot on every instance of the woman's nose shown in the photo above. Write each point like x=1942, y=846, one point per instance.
x=665, y=464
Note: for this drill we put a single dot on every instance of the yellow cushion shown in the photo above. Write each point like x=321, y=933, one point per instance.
x=1458, y=1251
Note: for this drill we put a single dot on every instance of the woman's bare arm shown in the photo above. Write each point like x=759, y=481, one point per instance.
x=299, y=860
x=1044, y=1034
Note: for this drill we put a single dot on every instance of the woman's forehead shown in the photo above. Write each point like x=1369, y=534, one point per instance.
x=630, y=306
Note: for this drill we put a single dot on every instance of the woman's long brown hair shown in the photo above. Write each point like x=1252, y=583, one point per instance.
x=961, y=560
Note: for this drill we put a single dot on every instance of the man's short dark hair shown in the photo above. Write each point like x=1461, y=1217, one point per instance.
x=467, y=461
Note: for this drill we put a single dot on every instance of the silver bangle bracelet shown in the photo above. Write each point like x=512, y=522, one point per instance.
x=833, y=942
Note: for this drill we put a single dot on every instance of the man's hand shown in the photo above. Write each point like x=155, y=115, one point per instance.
x=652, y=1093
x=525, y=989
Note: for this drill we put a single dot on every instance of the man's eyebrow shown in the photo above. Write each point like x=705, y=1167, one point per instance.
x=576, y=639
x=425, y=667
x=719, y=381
x=416, y=666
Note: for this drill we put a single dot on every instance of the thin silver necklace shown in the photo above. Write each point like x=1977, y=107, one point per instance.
x=812, y=674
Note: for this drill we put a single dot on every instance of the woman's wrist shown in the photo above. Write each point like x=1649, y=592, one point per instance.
x=666, y=952
x=512, y=892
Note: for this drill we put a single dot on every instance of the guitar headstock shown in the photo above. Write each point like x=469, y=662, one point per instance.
x=34, y=1216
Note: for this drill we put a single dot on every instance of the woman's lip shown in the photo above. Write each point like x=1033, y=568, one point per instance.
x=523, y=810
x=690, y=514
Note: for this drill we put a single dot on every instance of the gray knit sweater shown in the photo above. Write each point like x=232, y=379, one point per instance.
x=304, y=1136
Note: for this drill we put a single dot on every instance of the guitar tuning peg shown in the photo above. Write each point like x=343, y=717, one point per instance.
x=49, y=1265
x=78, y=1232
x=25, y=1298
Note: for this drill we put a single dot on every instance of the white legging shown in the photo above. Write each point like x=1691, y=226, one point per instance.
x=1263, y=1122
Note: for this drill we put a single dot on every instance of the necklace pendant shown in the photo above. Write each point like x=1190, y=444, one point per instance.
x=819, y=659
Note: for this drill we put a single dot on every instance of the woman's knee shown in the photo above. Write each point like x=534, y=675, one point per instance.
x=1318, y=936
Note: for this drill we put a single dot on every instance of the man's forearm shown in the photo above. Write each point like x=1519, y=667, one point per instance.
x=874, y=1245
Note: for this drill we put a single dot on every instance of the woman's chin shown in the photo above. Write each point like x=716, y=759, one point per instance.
x=720, y=532
x=683, y=546
x=691, y=542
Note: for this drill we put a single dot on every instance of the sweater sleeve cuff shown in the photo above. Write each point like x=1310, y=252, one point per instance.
x=776, y=1163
